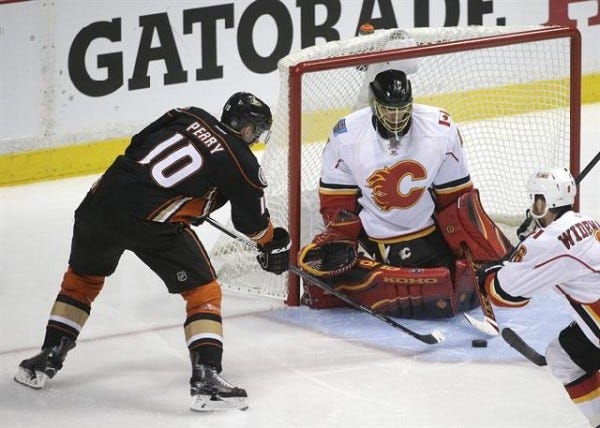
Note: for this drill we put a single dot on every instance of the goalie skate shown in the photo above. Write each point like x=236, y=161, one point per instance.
x=211, y=392
x=34, y=372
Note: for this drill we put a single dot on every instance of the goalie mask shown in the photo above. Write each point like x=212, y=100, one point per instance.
x=243, y=108
x=557, y=188
x=390, y=97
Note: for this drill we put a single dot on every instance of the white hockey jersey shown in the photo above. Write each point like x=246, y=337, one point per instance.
x=564, y=255
x=394, y=178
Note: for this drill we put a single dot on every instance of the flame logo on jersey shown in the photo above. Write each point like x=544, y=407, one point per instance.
x=385, y=185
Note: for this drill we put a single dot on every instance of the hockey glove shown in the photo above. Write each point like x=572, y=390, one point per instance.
x=528, y=226
x=487, y=272
x=197, y=221
x=340, y=225
x=275, y=255
x=329, y=259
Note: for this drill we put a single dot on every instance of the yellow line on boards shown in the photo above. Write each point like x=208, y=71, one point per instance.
x=95, y=156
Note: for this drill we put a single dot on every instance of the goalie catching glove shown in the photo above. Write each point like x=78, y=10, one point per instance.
x=335, y=250
x=275, y=255
x=329, y=259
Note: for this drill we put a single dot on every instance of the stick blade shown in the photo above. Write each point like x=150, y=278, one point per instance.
x=514, y=340
x=487, y=326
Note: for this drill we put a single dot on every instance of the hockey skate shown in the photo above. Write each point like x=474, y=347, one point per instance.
x=211, y=392
x=35, y=371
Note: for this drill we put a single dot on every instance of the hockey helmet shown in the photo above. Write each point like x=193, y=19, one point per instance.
x=243, y=108
x=390, y=97
x=556, y=185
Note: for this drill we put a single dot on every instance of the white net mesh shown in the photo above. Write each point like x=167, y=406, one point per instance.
x=511, y=103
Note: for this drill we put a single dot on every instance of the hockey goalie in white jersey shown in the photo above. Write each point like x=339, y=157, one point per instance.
x=564, y=253
x=395, y=178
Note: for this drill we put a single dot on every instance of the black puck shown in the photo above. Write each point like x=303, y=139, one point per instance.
x=479, y=343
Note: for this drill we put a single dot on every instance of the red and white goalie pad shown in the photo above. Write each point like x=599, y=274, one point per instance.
x=426, y=293
x=465, y=223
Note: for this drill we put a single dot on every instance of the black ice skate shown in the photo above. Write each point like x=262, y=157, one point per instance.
x=211, y=392
x=35, y=371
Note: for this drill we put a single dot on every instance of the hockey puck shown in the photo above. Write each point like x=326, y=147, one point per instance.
x=479, y=343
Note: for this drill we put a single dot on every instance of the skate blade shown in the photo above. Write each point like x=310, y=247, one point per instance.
x=31, y=378
x=204, y=403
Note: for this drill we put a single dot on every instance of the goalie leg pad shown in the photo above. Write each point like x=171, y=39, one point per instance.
x=400, y=292
x=466, y=223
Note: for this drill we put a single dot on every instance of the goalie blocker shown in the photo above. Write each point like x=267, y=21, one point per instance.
x=421, y=293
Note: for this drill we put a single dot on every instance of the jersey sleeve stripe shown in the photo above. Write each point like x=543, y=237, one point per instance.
x=501, y=297
x=337, y=189
x=454, y=186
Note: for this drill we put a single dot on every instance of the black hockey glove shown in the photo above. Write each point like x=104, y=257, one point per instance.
x=487, y=269
x=275, y=255
x=197, y=221
x=528, y=226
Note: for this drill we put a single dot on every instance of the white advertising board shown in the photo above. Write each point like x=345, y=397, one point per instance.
x=76, y=71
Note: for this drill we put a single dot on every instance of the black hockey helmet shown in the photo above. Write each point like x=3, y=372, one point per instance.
x=243, y=108
x=390, y=97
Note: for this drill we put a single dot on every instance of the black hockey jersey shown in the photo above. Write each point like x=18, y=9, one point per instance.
x=183, y=166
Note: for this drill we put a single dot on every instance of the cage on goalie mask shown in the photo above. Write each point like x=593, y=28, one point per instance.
x=556, y=185
x=390, y=97
x=243, y=108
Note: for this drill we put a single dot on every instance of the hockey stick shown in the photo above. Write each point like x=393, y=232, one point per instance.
x=514, y=340
x=489, y=325
x=588, y=168
x=434, y=337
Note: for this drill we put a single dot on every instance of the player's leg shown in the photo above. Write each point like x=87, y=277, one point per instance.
x=184, y=266
x=93, y=257
x=575, y=361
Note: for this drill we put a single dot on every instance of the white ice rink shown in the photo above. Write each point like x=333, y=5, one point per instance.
x=301, y=368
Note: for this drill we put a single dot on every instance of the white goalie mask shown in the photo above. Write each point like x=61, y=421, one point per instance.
x=556, y=185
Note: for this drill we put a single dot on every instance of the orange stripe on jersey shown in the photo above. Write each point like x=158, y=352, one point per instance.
x=499, y=297
x=189, y=211
x=586, y=390
x=593, y=311
x=164, y=211
x=263, y=236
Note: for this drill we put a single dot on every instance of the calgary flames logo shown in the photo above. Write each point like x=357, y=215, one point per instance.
x=386, y=185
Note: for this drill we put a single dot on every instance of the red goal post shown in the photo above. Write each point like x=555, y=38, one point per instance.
x=514, y=92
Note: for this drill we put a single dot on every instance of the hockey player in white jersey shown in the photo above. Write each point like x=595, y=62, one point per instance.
x=563, y=253
x=387, y=170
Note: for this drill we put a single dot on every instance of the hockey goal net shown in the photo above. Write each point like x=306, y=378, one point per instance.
x=514, y=93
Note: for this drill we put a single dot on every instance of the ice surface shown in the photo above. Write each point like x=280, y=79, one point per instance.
x=301, y=368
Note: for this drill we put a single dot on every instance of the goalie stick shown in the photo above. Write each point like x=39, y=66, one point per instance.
x=489, y=324
x=432, y=338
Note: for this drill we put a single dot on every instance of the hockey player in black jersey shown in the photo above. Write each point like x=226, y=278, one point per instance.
x=175, y=172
